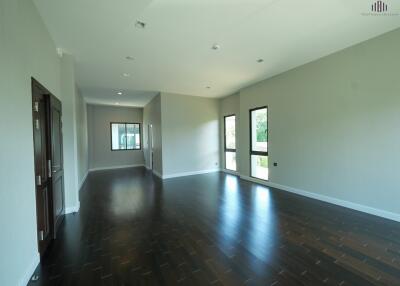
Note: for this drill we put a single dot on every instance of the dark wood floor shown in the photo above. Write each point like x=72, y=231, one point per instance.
x=215, y=229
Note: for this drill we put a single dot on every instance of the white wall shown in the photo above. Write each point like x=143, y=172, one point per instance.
x=99, y=119
x=190, y=133
x=229, y=105
x=334, y=125
x=82, y=138
x=152, y=115
x=69, y=119
x=26, y=50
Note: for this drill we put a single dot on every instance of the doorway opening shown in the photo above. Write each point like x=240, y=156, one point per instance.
x=151, y=146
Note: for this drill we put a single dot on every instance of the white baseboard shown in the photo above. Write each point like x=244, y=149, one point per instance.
x=115, y=167
x=189, y=173
x=255, y=180
x=29, y=271
x=230, y=172
x=327, y=199
x=73, y=209
x=157, y=174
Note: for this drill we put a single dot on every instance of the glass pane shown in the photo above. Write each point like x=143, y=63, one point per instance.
x=259, y=167
x=259, y=130
x=230, y=136
x=118, y=136
x=133, y=135
x=230, y=161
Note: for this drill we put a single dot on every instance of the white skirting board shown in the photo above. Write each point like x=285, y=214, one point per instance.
x=176, y=175
x=157, y=174
x=335, y=201
x=73, y=209
x=230, y=172
x=115, y=167
x=29, y=271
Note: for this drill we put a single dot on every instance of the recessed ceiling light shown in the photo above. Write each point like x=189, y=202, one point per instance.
x=129, y=58
x=260, y=60
x=119, y=93
x=126, y=74
x=140, y=25
x=117, y=103
x=216, y=47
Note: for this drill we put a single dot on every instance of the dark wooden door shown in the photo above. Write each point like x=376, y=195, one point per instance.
x=57, y=162
x=42, y=168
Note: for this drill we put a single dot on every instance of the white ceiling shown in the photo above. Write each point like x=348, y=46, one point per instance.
x=173, y=53
x=106, y=96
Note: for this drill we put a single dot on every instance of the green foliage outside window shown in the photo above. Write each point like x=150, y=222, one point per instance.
x=263, y=161
x=261, y=127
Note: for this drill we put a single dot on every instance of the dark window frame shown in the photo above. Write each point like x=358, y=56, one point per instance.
x=229, y=149
x=257, y=153
x=126, y=143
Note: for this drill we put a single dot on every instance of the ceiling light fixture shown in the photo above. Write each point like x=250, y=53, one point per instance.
x=117, y=103
x=119, y=93
x=126, y=74
x=140, y=25
x=216, y=47
x=260, y=61
x=129, y=58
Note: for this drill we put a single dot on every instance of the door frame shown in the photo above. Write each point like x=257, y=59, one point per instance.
x=257, y=153
x=228, y=149
x=45, y=230
x=150, y=142
x=55, y=106
x=50, y=100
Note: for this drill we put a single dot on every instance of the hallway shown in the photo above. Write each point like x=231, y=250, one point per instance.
x=214, y=229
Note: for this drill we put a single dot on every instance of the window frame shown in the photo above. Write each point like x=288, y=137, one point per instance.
x=257, y=153
x=229, y=149
x=126, y=144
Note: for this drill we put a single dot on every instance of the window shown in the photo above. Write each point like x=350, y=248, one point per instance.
x=259, y=143
x=230, y=142
x=125, y=136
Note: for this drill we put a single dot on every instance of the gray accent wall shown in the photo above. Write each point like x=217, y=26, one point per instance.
x=334, y=125
x=100, y=154
x=189, y=134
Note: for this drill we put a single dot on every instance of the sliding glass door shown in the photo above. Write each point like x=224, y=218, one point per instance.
x=230, y=142
x=259, y=143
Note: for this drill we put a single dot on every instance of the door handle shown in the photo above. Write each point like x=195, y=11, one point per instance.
x=49, y=167
x=38, y=180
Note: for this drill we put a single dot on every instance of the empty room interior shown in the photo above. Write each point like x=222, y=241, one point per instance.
x=199, y=142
